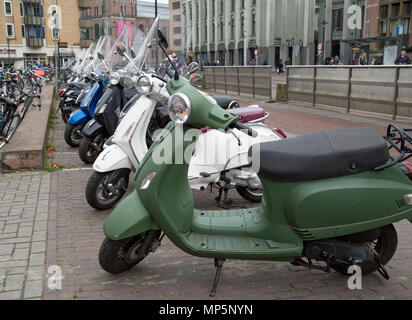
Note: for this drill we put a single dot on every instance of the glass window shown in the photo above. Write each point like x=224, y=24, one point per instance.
x=8, y=8
x=10, y=30
x=384, y=12
x=396, y=10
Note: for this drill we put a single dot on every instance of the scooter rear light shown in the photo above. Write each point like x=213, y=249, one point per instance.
x=281, y=133
x=406, y=168
x=61, y=92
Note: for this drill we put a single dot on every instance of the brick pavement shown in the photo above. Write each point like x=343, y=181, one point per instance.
x=24, y=201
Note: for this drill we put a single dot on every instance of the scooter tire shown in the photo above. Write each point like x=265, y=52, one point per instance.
x=249, y=196
x=65, y=116
x=84, y=148
x=118, y=256
x=68, y=135
x=93, y=186
x=386, y=246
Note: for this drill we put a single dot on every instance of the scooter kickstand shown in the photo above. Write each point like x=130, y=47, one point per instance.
x=218, y=265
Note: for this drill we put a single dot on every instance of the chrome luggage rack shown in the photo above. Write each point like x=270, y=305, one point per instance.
x=400, y=140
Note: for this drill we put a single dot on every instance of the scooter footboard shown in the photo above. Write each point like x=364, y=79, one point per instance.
x=130, y=218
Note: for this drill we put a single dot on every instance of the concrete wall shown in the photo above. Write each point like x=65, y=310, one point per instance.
x=381, y=89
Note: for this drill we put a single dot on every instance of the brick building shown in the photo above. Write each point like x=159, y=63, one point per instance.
x=175, y=26
x=26, y=33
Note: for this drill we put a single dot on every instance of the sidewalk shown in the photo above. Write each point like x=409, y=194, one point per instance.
x=24, y=204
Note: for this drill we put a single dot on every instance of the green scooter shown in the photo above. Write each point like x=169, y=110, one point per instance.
x=330, y=198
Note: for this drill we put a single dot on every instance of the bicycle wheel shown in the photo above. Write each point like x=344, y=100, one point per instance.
x=12, y=126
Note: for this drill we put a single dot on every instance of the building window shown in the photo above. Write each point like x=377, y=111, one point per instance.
x=396, y=10
x=23, y=33
x=21, y=9
x=10, y=30
x=177, y=30
x=8, y=8
x=176, y=5
x=384, y=12
x=177, y=42
x=337, y=18
x=177, y=18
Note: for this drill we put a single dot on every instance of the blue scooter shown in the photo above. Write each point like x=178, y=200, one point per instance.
x=78, y=119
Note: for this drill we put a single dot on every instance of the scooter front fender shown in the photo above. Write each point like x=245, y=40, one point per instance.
x=79, y=117
x=112, y=158
x=130, y=218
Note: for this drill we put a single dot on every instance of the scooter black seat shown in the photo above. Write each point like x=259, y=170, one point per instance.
x=225, y=102
x=78, y=85
x=323, y=155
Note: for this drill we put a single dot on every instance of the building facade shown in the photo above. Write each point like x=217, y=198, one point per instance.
x=104, y=17
x=219, y=31
x=26, y=26
x=175, y=26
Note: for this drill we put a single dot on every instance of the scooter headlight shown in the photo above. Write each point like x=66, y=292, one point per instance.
x=180, y=108
x=144, y=85
x=114, y=78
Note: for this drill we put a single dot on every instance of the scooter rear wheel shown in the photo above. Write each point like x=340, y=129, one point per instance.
x=118, y=256
x=249, y=195
x=385, y=246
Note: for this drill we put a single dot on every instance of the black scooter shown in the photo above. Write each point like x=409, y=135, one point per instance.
x=106, y=118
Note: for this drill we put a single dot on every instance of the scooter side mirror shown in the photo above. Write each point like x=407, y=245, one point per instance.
x=121, y=50
x=162, y=39
x=100, y=55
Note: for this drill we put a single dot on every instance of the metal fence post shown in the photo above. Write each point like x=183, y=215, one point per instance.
x=270, y=84
x=395, y=93
x=214, y=78
x=349, y=90
x=225, y=80
x=238, y=80
x=287, y=86
x=253, y=81
x=314, y=87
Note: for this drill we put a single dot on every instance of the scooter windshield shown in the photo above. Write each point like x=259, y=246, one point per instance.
x=145, y=48
x=79, y=60
x=103, y=46
x=88, y=57
x=112, y=60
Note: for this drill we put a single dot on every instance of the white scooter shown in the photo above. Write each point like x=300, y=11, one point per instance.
x=220, y=159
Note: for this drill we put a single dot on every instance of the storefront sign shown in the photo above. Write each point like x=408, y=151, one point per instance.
x=7, y=51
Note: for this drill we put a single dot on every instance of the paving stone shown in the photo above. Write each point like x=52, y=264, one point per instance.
x=6, y=249
x=11, y=295
x=35, y=273
x=37, y=259
x=21, y=254
x=14, y=282
x=38, y=247
x=33, y=289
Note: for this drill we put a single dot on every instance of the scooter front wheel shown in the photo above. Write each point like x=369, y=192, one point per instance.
x=118, y=256
x=73, y=135
x=90, y=149
x=104, y=190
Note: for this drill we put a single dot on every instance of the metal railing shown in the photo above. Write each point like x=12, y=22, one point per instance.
x=379, y=89
x=254, y=81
